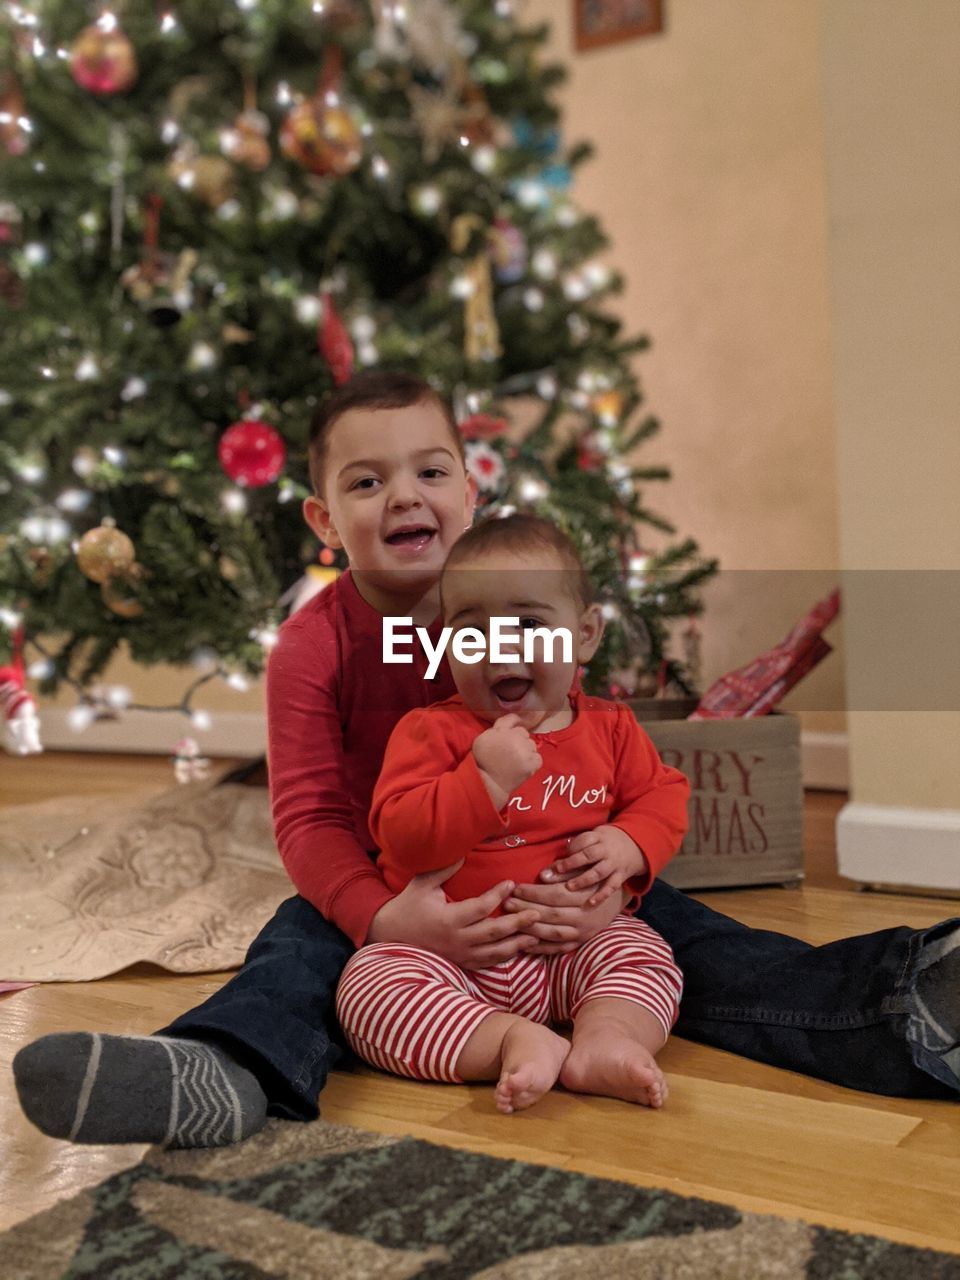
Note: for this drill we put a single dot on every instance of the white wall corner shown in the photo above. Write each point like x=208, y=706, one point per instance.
x=915, y=848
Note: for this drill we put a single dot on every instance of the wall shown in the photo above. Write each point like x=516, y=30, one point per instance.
x=891, y=92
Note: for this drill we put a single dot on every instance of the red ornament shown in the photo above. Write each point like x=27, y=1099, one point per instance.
x=483, y=426
x=102, y=59
x=252, y=453
x=334, y=342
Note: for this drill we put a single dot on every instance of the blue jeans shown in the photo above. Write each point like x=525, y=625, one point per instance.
x=844, y=1012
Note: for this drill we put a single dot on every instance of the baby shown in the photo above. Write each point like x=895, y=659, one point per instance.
x=517, y=777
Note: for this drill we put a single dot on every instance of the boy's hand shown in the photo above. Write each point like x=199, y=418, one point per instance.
x=507, y=756
x=565, y=921
x=610, y=857
x=461, y=932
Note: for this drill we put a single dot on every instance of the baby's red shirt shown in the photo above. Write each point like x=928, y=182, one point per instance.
x=431, y=807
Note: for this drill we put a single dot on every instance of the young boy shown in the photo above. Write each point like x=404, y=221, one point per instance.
x=518, y=773
x=878, y=1012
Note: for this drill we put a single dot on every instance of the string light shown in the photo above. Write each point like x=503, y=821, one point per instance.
x=107, y=22
x=119, y=697
x=202, y=356
x=484, y=160
x=547, y=386
x=575, y=288
x=544, y=264
x=461, y=286
x=87, y=370
x=10, y=618
x=283, y=96
x=81, y=717
x=233, y=502
x=45, y=529
x=168, y=23
x=133, y=389
x=73, y=500
x=84, y=462
x=379, y=168
x=427, y=200
x=532, y=489
x=116, y=457
x=201, y=720
x=237, y=681
x=533, y=299
x=368, y=353
x=42, y=669
x=363, y=328
x=32, y=469
x=35, y=254
x=266, y=637
x=169, y=131
x=308, y=308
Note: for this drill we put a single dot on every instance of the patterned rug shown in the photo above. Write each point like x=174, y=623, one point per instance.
x=326, y=1202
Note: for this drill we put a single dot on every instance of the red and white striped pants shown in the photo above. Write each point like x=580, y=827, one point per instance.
x=411, y=1012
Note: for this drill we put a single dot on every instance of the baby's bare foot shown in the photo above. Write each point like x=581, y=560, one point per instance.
x=531, y=1057
x=615, y=1066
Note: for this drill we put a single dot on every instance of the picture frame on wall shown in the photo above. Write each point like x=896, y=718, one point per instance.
x=602, y=22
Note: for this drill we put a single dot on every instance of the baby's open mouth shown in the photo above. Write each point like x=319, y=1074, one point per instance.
x=511, y=688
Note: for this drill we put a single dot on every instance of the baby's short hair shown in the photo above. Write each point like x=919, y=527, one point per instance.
x=372, y=389
x=522, y=532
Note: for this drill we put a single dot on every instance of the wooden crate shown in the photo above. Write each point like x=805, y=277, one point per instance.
x=746, y=801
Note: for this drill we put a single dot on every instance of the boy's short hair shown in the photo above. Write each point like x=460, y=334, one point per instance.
x=522, y=532
x=373, y=389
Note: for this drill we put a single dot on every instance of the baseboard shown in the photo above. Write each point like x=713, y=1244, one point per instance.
x=825, y=761
x=824, y=758
x=231, y=733
x=916, y=848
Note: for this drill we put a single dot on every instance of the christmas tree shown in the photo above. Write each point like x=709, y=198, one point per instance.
x=209, y=214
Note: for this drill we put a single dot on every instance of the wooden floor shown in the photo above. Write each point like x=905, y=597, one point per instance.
x=733, y=1130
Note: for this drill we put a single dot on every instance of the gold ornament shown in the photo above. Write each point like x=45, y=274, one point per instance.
x=118, y=592
x=481, y=336
x=246, y=143
x=104, y=552
x=209, y=178
x=322, y=137
x=608, y=406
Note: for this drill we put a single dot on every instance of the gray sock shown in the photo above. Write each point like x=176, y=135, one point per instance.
x=97, y=1088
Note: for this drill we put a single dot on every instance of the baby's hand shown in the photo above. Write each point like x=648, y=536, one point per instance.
x=506, y=755
x=610, y=857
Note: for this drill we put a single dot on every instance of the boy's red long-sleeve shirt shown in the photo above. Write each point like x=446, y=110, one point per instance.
x=331, y=706
x=431, y=807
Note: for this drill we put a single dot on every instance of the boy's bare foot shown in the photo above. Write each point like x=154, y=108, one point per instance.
x=615, y=1066
x=532, y=1056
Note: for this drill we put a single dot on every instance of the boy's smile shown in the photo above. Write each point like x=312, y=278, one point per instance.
x=396, y=498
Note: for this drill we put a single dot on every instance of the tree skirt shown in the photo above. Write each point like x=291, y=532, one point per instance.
x=323, y=1200
x=185, y=881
